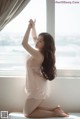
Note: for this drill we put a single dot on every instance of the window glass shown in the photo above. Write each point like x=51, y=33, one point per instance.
x=67, y=34
x=12, y=60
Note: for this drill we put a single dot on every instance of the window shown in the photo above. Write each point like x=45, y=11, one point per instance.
x=12, y=54
x=67, y=35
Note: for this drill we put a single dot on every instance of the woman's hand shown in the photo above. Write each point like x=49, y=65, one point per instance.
x=32, y=23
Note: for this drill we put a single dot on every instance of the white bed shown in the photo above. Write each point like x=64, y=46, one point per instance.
x=17, y=115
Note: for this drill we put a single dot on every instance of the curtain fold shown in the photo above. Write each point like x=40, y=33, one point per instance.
x=9, y=9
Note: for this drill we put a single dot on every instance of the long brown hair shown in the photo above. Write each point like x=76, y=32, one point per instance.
x=48, y=68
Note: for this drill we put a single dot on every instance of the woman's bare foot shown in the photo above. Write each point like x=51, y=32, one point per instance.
x=59, y=112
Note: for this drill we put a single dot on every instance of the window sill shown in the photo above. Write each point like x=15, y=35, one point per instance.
x=22, y=73
x=68, y=73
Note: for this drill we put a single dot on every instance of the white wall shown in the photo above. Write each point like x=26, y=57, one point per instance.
x=63, y=91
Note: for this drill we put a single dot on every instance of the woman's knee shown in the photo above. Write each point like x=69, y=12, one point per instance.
x=26, y=111
x=30, y=106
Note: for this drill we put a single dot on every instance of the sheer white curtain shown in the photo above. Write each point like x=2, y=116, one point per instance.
x=9, y=9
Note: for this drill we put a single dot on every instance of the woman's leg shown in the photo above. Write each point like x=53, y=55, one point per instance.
x=31, y=109
x=52, y=109
x=39, y=113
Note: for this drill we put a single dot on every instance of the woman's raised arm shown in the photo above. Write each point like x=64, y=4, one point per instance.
x=34, y=34
x=25, y=43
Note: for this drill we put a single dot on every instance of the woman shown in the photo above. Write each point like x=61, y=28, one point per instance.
x=40, y=68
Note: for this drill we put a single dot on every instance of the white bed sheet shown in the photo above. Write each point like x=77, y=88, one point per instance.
x=17, y=115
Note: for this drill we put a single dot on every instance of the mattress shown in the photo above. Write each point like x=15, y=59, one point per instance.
x=17, y=115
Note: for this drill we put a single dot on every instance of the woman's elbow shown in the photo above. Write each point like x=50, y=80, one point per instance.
x=23, y=44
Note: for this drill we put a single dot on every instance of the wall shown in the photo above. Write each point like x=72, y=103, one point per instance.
x=63, y=91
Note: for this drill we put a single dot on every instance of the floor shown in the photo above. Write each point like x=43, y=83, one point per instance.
x=17, y=115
